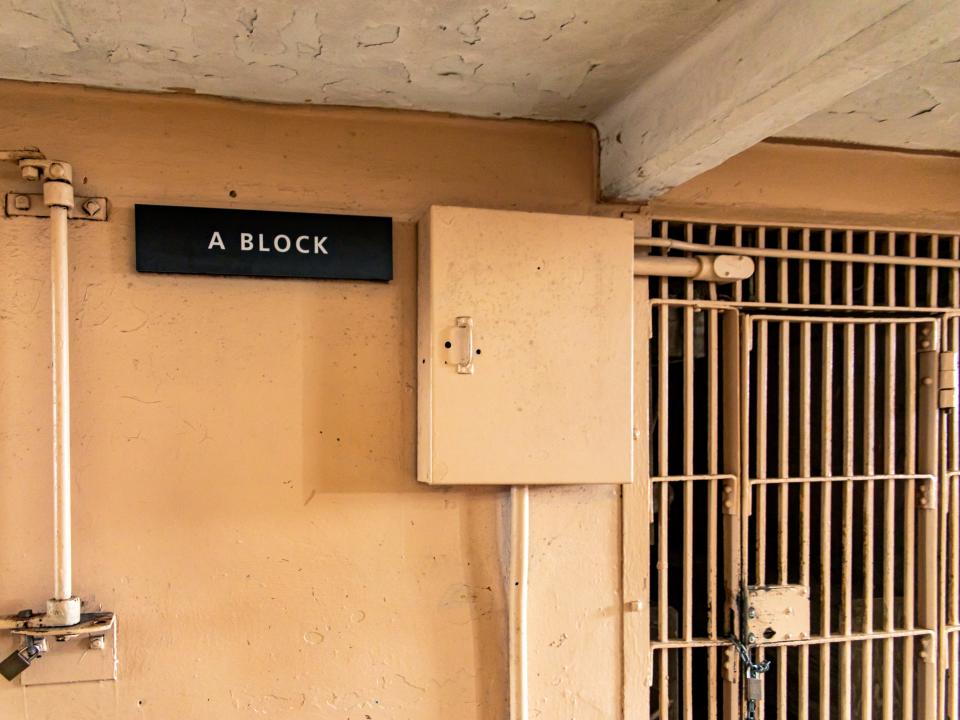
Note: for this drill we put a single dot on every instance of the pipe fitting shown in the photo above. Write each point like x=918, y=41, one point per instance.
x=58, y=194
x=62, y=613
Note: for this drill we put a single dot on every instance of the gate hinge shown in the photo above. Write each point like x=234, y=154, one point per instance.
x=948, y=380
x=33, y=205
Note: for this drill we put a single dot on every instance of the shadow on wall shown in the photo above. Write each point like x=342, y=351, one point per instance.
x=359, y=432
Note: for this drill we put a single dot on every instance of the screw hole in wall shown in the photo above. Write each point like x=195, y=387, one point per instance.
x=448, y=344
x=233, y=193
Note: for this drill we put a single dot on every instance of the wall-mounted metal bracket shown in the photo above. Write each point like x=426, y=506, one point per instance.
x=31, y=624
x=32, y=205
x=86, y=651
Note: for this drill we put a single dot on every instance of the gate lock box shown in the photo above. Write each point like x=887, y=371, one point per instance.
x=777, y=612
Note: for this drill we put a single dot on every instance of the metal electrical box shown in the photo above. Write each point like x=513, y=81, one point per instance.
x=525, y=345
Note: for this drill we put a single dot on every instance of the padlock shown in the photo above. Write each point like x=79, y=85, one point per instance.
x=755, y=688
x=20, y=660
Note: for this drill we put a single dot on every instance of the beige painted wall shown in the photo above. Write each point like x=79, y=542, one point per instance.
x=244, y=449
x=790, y=182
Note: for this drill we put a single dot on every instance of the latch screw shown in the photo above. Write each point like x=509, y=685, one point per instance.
x=752, y=613
x=22, y=202
x=98, y=642
x=91, y=207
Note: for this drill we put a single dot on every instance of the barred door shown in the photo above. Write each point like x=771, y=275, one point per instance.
x=840, y=513
x=804, y=479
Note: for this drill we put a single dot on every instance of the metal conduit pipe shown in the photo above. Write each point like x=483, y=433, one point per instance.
x=63, y=609
x=519, y=587
x=62, y=549
x=788, y=254
x=709, y=268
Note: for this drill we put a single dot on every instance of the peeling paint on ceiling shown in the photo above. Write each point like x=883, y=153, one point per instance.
x=916, y=107
x=558, y=59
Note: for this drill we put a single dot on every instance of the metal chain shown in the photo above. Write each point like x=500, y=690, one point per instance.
x=754, y=672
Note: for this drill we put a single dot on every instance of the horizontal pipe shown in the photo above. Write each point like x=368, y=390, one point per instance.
x=836, y=478
x=708, y=268
x=684, y=478
x=750, y=305
x=796, y=254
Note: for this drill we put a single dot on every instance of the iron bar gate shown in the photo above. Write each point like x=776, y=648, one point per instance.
x=804, y=459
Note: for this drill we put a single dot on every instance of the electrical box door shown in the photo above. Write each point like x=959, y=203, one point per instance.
x=525, y=348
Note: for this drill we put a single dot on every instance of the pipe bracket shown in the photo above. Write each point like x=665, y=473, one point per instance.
x=32, y=205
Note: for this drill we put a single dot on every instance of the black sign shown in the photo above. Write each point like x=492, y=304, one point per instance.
x=209, y=241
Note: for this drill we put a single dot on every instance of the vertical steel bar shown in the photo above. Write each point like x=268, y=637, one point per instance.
x=954, y=686
x=869, y=455
x=826, y=490
x=910, y=490
x=846, y=529
x=688, y=469
x=934, y=273
x=749, y=342
x=944, y=504
x=760, y=272
x=738, y=242
x=760, y=471
x=736, y=405
x=928, y=461
x=805, y=471
x=663, y=510
x=889, y=490
x=953, y=619
x=783, y=461
x=713, y=457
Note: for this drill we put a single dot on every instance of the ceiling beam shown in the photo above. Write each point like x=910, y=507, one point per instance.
x=763, y=67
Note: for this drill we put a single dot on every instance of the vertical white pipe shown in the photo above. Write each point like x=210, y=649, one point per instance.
x=59, y=273
x=519, y=577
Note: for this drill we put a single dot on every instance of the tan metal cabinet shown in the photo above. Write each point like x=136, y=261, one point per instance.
x=525, y=348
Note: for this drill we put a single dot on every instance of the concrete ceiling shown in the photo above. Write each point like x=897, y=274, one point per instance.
x=674, y=86
x=917, y=107
x=557, y=59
